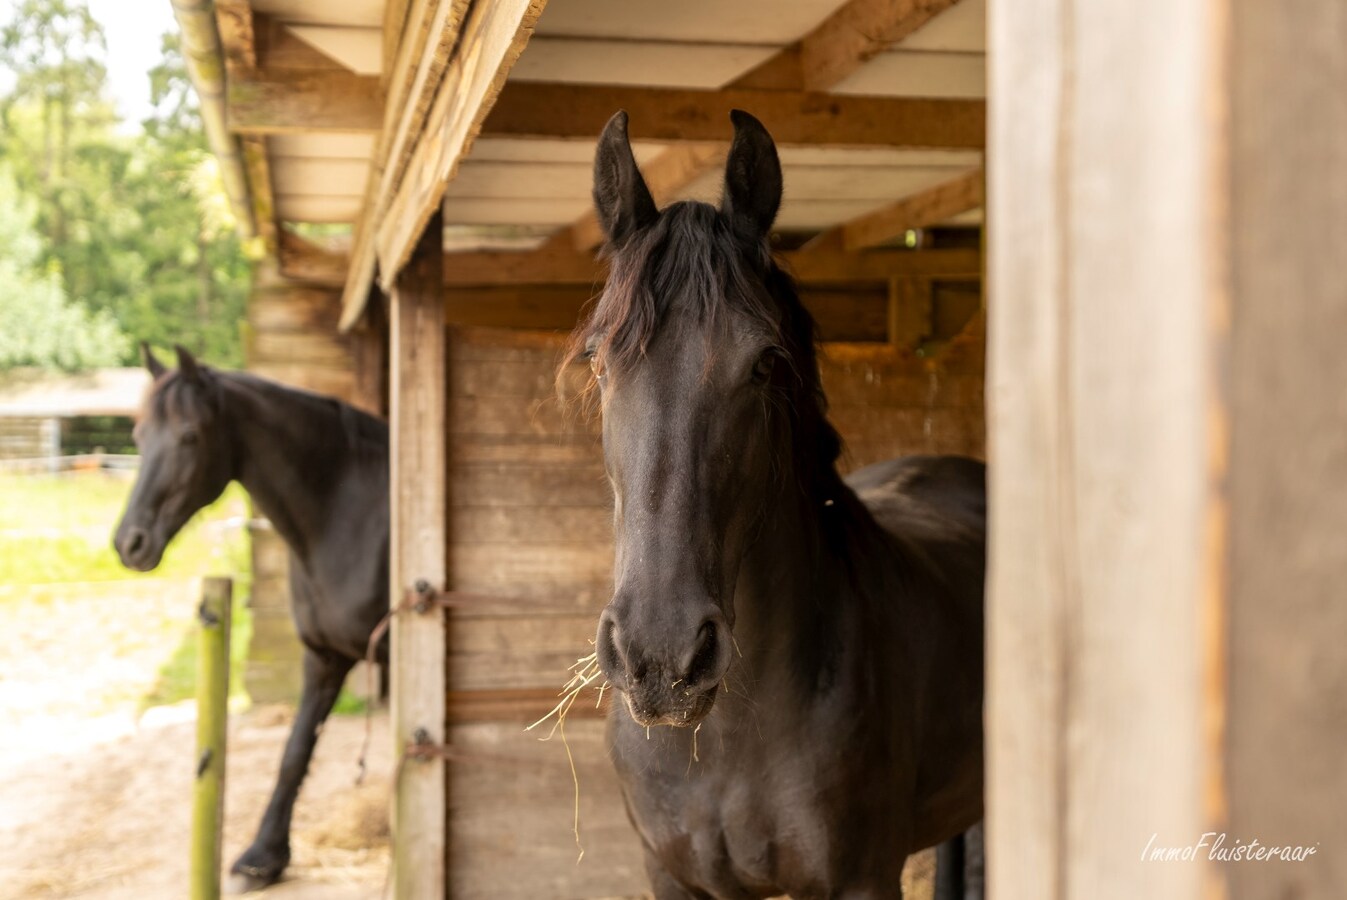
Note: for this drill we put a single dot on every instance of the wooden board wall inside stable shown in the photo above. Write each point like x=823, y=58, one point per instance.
x=530, y=520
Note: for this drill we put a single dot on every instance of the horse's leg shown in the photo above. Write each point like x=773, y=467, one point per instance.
x=262, y=863
x=663, y=885
x=959, y=867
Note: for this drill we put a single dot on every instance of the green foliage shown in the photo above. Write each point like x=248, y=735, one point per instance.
x=135, y=229
x=39, y=326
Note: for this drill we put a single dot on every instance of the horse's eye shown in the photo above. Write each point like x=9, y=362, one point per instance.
x=762, y=369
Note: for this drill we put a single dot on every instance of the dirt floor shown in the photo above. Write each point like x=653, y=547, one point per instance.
x=95, y=792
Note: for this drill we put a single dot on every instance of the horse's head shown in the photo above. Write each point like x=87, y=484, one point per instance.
x=185, y=461
x=703, y=359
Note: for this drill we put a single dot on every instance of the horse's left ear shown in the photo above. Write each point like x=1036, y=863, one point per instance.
x=752, y=178
x=187, y=365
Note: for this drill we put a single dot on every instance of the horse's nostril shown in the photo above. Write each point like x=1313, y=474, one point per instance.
x=137, y=541
x=707, y=660
x=612, y=661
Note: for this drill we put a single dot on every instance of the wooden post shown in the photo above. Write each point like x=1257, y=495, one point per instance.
x=369, y=351
x=418, y=560
x=1168, y=478
x=1286, y=617
x=212, y=717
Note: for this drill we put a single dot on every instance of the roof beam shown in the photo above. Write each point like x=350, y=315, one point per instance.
x=853, y=35
x=921, y=210
x=823, y=58
x=493, y=37
x=303, y=260
x=280, y=101
x=413, y=73
x=795, y=118
x=462, y=77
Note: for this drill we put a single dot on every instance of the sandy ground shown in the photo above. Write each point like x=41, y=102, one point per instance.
x=95, y=796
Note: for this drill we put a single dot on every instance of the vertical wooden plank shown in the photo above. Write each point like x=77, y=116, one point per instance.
x=910, y=305
x=417, y=554
x=1288, y=464
x=1104, y=262
x=369, y=351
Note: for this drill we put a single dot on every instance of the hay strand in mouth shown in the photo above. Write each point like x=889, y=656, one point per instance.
x=584, y=672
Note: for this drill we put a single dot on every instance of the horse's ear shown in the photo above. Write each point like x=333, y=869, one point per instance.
x=152, y=363
x=621, y=198
x=752, y=178
x=187, y=365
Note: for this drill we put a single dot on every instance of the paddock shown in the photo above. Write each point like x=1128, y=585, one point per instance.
x=416, y=176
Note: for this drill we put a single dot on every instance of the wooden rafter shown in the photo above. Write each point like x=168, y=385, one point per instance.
x=302, y=259
x=544, y=110
x=280, y=101
x=428, y=33
x=920, y=210
x=258, y=167
x=853, y=35
x=493, y=37
x=463, y=86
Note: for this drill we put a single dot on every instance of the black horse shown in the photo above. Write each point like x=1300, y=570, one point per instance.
x=817, y=641
x=318, y=469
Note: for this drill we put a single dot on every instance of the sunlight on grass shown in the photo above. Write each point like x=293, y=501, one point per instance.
x=57, y=535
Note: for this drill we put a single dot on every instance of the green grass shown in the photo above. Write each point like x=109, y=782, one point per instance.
x=57, y=529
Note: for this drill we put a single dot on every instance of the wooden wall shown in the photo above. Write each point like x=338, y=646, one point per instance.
x=291, y=338
x=29, y=437
x=530, y=526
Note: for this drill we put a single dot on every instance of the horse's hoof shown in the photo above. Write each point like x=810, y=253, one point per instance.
x=240, y=883
x=245, y=877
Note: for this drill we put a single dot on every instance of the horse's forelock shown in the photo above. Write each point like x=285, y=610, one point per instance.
x=691, y=254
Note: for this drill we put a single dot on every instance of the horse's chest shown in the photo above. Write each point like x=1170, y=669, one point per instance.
x=732, y=831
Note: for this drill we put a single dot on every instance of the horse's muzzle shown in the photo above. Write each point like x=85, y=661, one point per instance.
x=137, y=548
x=668, y=674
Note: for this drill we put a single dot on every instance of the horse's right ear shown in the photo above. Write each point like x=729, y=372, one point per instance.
x=621, y=198
x=152, y=363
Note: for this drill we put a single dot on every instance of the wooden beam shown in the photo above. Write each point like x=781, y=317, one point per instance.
x=413, y=75
x=833, y=51
x=930, y=207
x=877, y=266
x=234, y=19
x=493, y=37
x=920, y=210
x=842, y=312
x=304, y=260
x=280, y=101
x=417, y=546
x=396, y=14
x=258, y=167
x=301, y=259
x=544, y=110
x=853, y=35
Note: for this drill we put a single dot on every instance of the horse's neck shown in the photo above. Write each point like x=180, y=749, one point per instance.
x=286, y=457
x=795, y=588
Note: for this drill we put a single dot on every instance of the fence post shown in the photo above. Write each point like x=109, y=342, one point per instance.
x=212, y=713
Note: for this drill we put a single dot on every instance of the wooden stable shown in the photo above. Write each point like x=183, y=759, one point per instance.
x=416, y=175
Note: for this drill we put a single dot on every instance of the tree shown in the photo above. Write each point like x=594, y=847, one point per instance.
x=137, y=227
x=39, y=326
